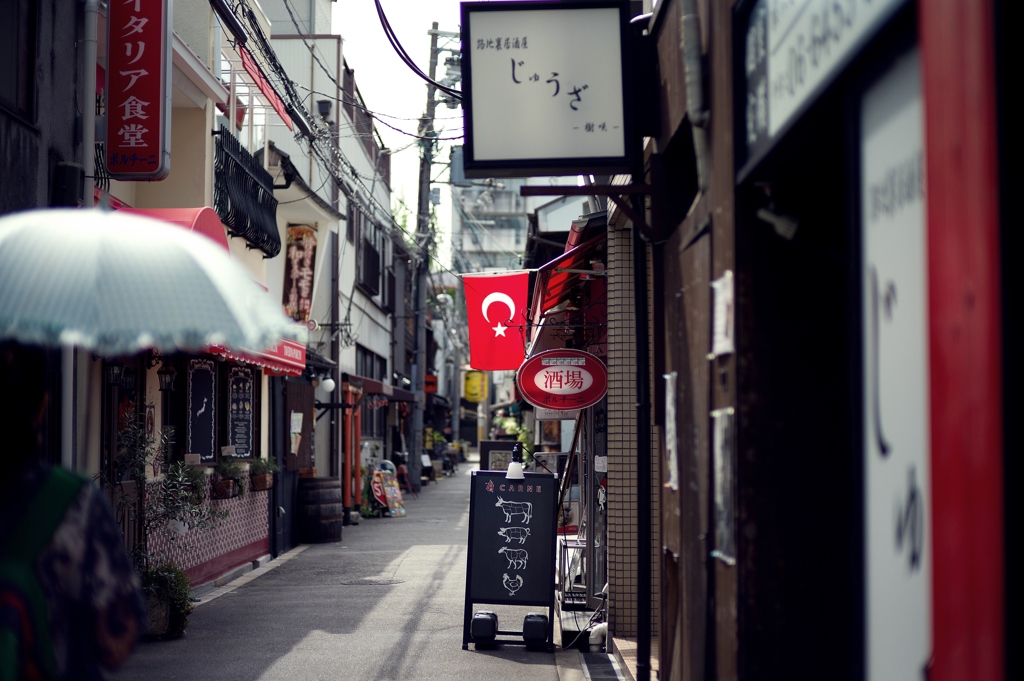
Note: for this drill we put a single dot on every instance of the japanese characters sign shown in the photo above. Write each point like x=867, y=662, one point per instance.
x=544, y=88
x=300, y=259
x=793, y=49
x=895, y=381
x=563, y=379
x=138, y=145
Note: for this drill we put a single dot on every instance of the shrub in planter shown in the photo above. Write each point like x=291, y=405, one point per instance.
x=168, y=600
x=174, y=503
x=228, y=479
x=262, y=473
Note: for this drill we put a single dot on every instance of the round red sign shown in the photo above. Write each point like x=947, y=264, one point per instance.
x=563, y=379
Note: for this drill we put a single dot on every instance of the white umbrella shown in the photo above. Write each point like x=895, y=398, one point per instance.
x=118, y=284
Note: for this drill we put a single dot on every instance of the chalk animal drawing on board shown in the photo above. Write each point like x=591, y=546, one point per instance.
x=513, y=585
x=510, y=533
x=516, y=557
x=511, y=508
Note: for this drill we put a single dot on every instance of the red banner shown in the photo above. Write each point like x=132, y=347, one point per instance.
x=138, y=145
x=496, y=311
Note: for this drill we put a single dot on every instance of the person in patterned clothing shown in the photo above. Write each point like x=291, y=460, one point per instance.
x=95, y=606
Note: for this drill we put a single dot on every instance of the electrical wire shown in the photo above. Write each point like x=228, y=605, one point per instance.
x=404, y=56
x=376, y=114
x=344, y=95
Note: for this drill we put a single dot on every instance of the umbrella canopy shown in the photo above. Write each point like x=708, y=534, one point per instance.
x=118, y=284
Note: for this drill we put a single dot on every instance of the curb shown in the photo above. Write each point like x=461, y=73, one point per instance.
x=241, y=576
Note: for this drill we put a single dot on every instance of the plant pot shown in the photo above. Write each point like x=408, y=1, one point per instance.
x=225, y=489
x=159, y=610
x=262, y=481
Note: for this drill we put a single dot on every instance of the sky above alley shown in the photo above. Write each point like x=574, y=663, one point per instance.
x=399, y=96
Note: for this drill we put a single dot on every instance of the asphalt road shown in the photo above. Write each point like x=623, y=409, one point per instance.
x=385, y=603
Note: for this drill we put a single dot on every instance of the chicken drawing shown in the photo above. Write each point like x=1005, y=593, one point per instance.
x=513, y=585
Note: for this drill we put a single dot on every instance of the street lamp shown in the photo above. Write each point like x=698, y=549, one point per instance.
x=166, y=374
x=114, y=371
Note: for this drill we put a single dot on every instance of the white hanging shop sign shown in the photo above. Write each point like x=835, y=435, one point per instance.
x=545, y=88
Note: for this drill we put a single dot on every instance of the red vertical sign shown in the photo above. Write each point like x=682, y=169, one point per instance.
x=138, y=89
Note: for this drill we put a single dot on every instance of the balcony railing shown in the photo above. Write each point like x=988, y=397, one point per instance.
x=243, y=195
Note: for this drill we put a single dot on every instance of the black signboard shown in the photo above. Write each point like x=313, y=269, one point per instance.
x=240, y=411
x=202, y=381
x=511, y=558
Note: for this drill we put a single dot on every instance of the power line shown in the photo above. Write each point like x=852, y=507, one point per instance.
x=404, y=56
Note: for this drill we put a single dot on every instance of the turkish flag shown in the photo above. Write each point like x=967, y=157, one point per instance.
x=496, y=312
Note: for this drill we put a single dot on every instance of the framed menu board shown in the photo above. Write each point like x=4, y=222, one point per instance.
x=511, y=557
x=241, y=410
x=201, y=402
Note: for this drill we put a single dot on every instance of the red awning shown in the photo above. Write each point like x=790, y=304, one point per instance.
x=203, y=220
x=284, y=357
x=372, y=386
x=256, y=73
x=576, y=276
x=556, y=279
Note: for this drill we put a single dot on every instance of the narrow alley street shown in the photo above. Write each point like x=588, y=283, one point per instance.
x=385, y=603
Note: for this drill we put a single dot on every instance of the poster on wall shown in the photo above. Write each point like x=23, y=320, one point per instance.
x=202, y=384
x=241, y=408
x=895, y=377
x=299, y=263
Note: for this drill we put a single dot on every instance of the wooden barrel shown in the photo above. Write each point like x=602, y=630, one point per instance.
x=320, y=510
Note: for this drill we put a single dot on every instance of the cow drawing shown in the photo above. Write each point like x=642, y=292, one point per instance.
x=510, y=533
x=516, y=557
x=511, y=508
x=513, y=585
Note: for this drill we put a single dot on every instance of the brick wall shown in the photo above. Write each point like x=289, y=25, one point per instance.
x=622, y=437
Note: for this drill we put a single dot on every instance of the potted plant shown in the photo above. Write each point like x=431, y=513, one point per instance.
x=228, y=479
x=175, y=502
x=262, y=473
x=167, y=590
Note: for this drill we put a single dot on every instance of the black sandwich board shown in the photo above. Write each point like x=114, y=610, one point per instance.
x=511, y=557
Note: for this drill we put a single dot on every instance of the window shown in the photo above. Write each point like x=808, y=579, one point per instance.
x=368, y=260
x=18, y=56
x=352, y=224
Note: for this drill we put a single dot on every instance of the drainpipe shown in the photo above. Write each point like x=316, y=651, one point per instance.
x=643, y=461
x=68, y=363
x=335, y=349
x=346, y=461
x=92, y=13
x=694, y=71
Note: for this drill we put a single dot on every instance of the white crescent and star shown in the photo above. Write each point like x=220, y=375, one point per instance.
x=503, y=298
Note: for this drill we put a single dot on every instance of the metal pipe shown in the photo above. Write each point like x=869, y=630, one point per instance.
x=643, y=461
x=68, y=363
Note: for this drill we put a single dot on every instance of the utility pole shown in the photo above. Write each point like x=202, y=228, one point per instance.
x=424, y=240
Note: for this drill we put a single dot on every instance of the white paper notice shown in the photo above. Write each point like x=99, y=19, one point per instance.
x=723, y=324
x=671, y=441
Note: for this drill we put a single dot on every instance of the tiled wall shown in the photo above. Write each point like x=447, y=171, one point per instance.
x=622, y=437
x=239, y=538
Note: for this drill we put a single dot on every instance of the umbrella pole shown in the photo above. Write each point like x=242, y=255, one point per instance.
x=68, y=404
